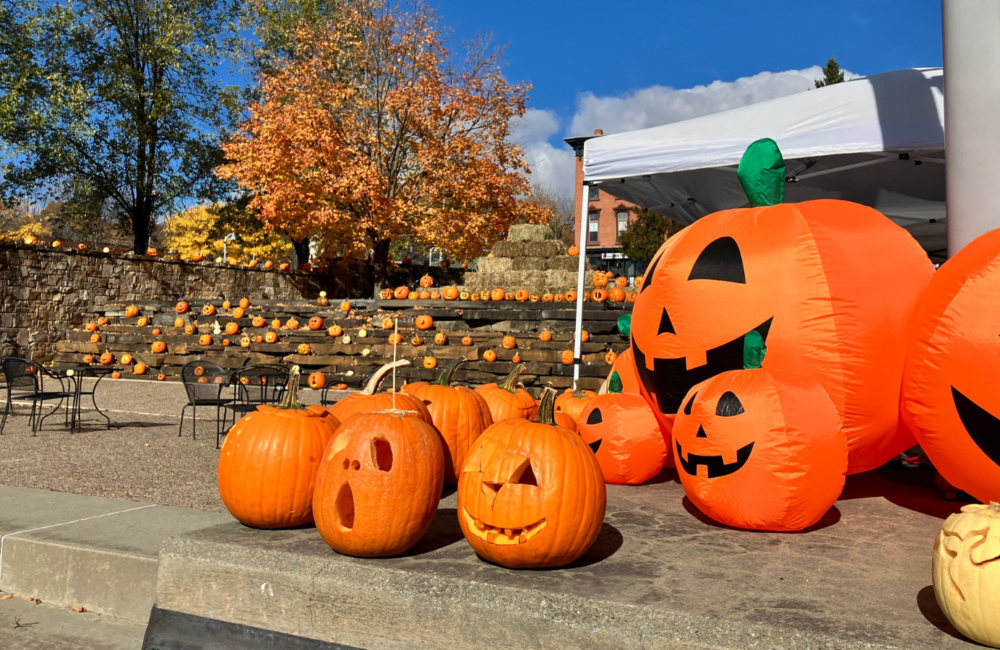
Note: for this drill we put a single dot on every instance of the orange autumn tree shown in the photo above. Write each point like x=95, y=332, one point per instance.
x=372, y=130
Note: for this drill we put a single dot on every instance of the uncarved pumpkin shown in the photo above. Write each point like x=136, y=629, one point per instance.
x=949, y=396
x=545, y=335
x=379, y=484
x=424, y=322
x=531, y=494
x=131, y=311
x=269, y=461
x=205, y=339
x=625, y=435
x=159, y=347
x=489, y=356
x=232, y=327
x=506, y=400
x=572, y=402
x=369, y=400
x=460, y=415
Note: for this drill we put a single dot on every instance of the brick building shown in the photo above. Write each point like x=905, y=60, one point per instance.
x=607, y=216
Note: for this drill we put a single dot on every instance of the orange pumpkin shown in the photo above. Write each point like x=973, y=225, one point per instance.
x=260, y=339
x=271, y=337
x=335, y=330
x=599, y=295
x=516, y=358
x=573, y=251
x=440, y=338
x=395, y=338
x=143, y=321
x=572, y=402
x=466, y=340
x=255, y=483
x=621, y=281
x=239, y=312
x=465, y=295
x=107, y=359
x=401, y=292
x=156, y=331
x=182, y=307
x=474, y=297
x=498, y=294
x=151, y=252
x=508, y=342
x=197, y=257
x=531, y=494
x=545, y=335
x=131, y=311
x=484, y=295
x=345, y=306
x=284, y=266
x=630, y=296
x=116, y=374
x=90, y=327
x=450, y=293
x=159, y=347
x=535, y=297
x=292, y=324
x=949, y=383
x=126, y=359
x=139, y=369
x=425, y=295
x=178, y=322
x=490, y=356
x=424, y=322
x=245, y=342
x=276, y=324
x=413, y=295
x=268, y=264
x=244, y=303
x=81, y=246
x=232, y=327
x=584, y=336
x=369, y=400
x=460, y=415
x=435, y=295
x=610, y=357
x=208, y=310
x=547, y=297
x=102, y=321
x=226, y=343
x=385, y=294
x=506, y=400
x=315, y=323
x=95, y=338
x=625, y=435
x=226, y=305
x=258, y=321
x=426, y=281
x=566, y=357
x=317, y=381
x=379, y=484
x=304, y=349
x=190, y=329
x=600, y=279
x=781, y=435
x=88, y=359
x=417, y=340
x=559, y=297
x=430, y=363
x=616, y=294
x=160, y=377
x=205, y=339
x=388, y=323
x=521, y=295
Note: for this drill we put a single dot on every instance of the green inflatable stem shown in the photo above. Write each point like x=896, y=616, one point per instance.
x=615, y=383
x=753, y=350
x=625, y=325
x=762, y=173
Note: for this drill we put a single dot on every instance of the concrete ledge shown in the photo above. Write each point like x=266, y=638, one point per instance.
x=659, y=577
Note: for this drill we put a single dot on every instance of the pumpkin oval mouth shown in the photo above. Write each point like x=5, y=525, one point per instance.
x=715, y=465
x=502, y=536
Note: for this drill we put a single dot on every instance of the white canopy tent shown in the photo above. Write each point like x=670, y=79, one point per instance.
x=878, y=141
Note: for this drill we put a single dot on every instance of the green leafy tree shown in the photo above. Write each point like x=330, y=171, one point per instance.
x=646, y=233
x=832, y=74
x=115, y=105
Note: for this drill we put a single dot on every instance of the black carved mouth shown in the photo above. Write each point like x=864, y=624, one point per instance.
x=670, y=380
x=982, y=426
x=715, y=464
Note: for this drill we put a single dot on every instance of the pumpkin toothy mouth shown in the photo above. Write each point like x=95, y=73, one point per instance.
x=716, y=465
x=670, y=380
x=502, y=536
x=981, y=425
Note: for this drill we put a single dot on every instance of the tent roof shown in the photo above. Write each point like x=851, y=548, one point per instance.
x=887, y=130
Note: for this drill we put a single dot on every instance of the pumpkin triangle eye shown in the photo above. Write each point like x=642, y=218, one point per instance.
x=650, y=273
x=666, y=327
x=701, y=432
x=687, y=407
x=524, y=475
x=729, y=405
x=721, y=260
x=595, y=417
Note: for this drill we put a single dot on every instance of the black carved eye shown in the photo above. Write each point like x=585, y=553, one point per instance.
x=729, y=405
x=666, y=327
x=595, y=417
x=650, y=273
x=687, y=407
x=721, y=260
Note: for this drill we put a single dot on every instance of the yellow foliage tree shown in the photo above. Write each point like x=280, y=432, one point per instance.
x=196, y=230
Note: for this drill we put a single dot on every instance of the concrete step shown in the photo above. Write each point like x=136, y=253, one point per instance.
x=101, y=554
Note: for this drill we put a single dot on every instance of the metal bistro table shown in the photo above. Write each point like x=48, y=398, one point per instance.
x=76, y=374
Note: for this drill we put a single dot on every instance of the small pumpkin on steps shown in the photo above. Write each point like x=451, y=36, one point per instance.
x=506, y=400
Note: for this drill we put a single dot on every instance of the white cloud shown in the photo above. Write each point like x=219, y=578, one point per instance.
x=554, y=165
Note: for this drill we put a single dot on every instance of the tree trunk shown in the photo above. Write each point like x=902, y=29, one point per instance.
x=301, y=251
x=140, y=232
x=380, y=261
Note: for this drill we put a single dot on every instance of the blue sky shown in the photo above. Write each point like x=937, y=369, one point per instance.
x=624, y=64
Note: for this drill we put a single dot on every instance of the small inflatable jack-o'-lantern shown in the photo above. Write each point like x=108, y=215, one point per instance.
x=949, y=397
x=966, y=570
x=625, y=435
x=531, y=494
x=760, y=449
x=828, y=284
x=379, y=484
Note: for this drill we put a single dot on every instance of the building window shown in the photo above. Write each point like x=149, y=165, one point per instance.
x=622, y=222
x=595, y=193
x=592, y=227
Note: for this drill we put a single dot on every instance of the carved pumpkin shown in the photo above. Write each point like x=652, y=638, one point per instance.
x=506, y=400
x=531, y=494
x=81, y=246
x=484, y=295
x=401, y=292
x=599, y=295
x=322, y=300
x=126, y=359
x=430, y=363
x=244, y=303
x=385, y=294
x=116, y=374
x=95, y=338
x=424, y=322
x=559, y=297
x=465, y=295
x=417, y=340
x=489, y=356
x=139, y=369
x=953, y=356
x=258, y=339
x=498, y=294
x=630, y=296
x=516, y=358
x=966, y=569
x=271, y=337
x=161, y=377
x=258, y=321
x=178, y=322
x=317, y=381
x=245, y=342
x=182, y=307
x=269, y=461
x=345, y=306
x=232, y=327
x=88, y=359
x=545, y=335
x=56, y=244
x=413, y=295
x=143, y=321
x=466, y=340
x=782, y=438
x=616, y=294
x=107, y=359
x=621, y=281
x=159, y=347
x=829, y=286
x=388, y=323
x=395, y=338
x=379, y=484
x=190, y=329
x=205, y=339
x=425, y=295
x=450, y=293
x=90, y=327
x=566, y=357
x=304, y=349
x=600, y=279
x=292, y=324
x=570, y=296
x=239, y=312
x=508, y=342
x=573, y=251
x=102, y=321
x=226, y=343
x=156, y=331
x=208, y=310
x=426, y=281
x=547, y=297
x=572, y=402
x=625, y=435
x=226, y=305
x=441, y=338
x=315, y=323
x=369, y=400
x=131, y=311
x=610, y=357
x=521, y=295
x=435, y=295
x=335, y=330
x=276, y=324
x=535, y=297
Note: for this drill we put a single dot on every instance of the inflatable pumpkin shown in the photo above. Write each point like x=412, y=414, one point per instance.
x=828, y=284
x=760, y=449
x=949, y=396
x=625, y=435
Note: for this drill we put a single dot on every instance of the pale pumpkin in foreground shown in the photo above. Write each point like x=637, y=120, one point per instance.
x=966, y=570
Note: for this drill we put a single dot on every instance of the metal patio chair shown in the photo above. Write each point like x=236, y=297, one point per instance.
x=253, y=386
x=204, y=383
x=26, y=381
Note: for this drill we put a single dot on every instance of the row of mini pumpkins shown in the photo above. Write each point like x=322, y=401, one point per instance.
x=614, y=294
x=369, y=470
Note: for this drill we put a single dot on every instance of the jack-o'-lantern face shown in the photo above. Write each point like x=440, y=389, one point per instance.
x=760, y=449
x=789, y=273
x=625, y=436
x=949, y=396
x=530, y=494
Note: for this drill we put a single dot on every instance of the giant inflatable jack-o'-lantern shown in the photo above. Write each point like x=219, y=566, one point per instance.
x=950, y=399
x=828, y=284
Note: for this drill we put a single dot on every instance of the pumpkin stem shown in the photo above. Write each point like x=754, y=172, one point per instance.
x=762, y=173
x=445, y=378
x=615, y=383
x=753, y=350
x=547, y=407
x=373, y=384
x=625, y=325
x=509, y=383
x=291, y=400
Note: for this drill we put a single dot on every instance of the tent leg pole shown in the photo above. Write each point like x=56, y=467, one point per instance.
x=581, y=273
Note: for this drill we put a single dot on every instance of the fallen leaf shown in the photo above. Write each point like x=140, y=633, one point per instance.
x=38, y=602
x=78, y=609
x=6, y=596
